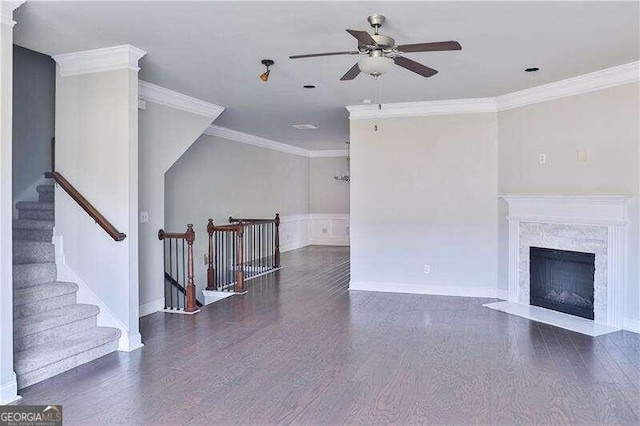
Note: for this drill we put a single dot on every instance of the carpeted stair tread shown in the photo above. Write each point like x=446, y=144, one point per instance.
x=45, y=188
x=33, y=224
x=33, y=252
x=42, y=292
x=53, y=318
x=43, y=355
x=30, y=274
x=34, y=205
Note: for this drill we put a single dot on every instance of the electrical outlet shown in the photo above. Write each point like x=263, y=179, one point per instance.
x=427, y=269
x=324, y=230
x=348, y=230
x=144, y=217
x=582, y=155
x=206, y=259
x=542, y=158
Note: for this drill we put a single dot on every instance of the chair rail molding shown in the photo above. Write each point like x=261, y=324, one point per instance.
x=99, y=60
x=149, y=92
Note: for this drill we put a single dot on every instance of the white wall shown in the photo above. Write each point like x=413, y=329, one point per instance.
x=605, y=125
x=327, y=195
x=165, y=133
x=217, y=178
x=423, y=191
x=97, y=151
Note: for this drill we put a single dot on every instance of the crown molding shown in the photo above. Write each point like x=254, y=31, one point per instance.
x=150, y=92
x=99, y=60
x=415, y=109
x=598, y=80
x=325, y=153
x=6, y=11
x=237, y=136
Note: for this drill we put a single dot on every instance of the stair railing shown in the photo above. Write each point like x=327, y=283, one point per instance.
x=179, y=287
x=240, y=251
x=86, y=206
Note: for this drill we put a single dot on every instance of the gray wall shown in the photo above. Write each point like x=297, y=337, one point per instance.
x=34, y=87
x=424, y=192
x=217, y=177
x=326, y=194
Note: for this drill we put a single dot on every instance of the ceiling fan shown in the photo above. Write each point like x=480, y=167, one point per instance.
x=381, y=52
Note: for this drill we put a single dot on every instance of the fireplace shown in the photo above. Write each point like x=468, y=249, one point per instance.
x=563, y=281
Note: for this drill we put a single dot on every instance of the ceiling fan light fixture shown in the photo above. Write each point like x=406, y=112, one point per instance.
x=375, y=65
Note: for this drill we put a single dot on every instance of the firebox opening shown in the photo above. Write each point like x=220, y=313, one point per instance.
x=562, y=280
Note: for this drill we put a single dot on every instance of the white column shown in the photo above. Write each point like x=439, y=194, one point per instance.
x=97, y=151
x=8, y=384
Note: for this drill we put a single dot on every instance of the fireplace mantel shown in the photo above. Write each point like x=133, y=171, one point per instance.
x=608, y=212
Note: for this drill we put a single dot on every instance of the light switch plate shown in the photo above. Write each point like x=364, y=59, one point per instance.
x=144, y=217
x=582, y=155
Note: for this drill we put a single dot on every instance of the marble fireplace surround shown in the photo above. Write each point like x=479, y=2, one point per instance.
x=592, y=224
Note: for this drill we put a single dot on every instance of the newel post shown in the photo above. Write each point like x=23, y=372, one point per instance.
x=190, y=288
x=276, y=257
x=240, y=268
x=211, y=269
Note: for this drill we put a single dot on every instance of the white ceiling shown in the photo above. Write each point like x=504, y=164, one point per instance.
x=212, y=51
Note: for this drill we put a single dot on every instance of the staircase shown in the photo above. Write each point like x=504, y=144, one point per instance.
x=52, y=333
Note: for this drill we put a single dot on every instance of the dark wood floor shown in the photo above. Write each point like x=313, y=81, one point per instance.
x=301, y=348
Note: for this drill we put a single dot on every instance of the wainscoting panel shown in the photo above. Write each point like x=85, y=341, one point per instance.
x=313, y=229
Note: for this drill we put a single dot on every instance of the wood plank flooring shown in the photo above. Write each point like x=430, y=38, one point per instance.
x=300, y=348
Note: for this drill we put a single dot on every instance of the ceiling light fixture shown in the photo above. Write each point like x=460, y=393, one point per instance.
x=265, y=75
x=376, y=64
x=532, y=69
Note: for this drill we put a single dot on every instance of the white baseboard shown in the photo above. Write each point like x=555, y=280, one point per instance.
x=9, y=391
x=211, y=296
x=106, y=317
x=502, y=294
x=151, y=307
x=436, y=290
x=631, y=325
x=329, y=242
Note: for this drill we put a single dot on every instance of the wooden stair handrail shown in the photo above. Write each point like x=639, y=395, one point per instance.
x=86, y=206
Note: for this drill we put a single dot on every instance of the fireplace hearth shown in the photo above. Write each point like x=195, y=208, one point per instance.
x=563, y=281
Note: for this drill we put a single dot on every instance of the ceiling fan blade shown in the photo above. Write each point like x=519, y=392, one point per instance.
x=313, y=55
x=351, y=74
x=414, y=66
x=363, y=37
x=430, y=47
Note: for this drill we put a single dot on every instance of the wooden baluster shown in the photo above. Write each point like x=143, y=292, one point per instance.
x=190, y=288
x=240, y=270
x=211, y=270
x=277, y=242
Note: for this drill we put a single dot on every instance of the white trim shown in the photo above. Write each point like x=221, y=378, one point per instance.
x=150, y=92
x=234, y=135
x=9, y=392
x=502, y=294
x=211, y=296
x=6, y=11
x=106, y=317
x=437, y=290
x=414, y=109
x=329, y=153
x=631, y=325
x=151, y=307
x=551, y=317
x=598, y=80
x=99, y=60
x=178, y=311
